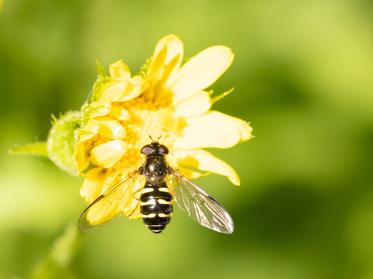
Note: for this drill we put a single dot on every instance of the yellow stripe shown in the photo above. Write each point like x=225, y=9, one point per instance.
x=147, y=190
x=162, y=201
x=151, y=215
x=149, y=202
x=164, y=189
x=162, y=215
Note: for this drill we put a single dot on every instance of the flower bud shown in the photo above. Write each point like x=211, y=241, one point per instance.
x=61, y=141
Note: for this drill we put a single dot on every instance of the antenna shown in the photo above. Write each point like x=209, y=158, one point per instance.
x=151, y=138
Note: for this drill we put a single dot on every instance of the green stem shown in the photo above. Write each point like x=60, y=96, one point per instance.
x=35, y=148
x=57, y=262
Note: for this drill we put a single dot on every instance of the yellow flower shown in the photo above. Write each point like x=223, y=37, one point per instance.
x=167, y=99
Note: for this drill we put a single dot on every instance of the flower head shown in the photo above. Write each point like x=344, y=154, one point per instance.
x=168, y=100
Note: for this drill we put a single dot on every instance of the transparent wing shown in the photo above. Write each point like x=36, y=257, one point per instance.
x=200, y=206
x=117, y=200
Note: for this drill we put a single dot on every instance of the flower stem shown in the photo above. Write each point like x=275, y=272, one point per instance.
x=35, y=148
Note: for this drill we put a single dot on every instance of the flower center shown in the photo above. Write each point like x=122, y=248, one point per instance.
x=142, y=118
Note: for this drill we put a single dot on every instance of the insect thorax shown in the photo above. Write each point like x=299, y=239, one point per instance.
x=155, y=168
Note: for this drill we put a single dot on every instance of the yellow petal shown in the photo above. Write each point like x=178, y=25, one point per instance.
x=170, y=69
x=107, y=154
x=134, y=88
x=119, y=113
x=120, y=202
x=156, y=65
x=135, y=214
x=173, y=45
x=97, y=109
x=191, y=174
x=123, y=90
x=213, y=129
x=92, y=184
x=113, y=91
x=108, y=128
x=168, y=53
x=85, y=139
x=120, y=70
x=169, y=122
x=200, y=71
x=205, y=161
x=101, y=213
x=130, y=201
x=194, y=105
x=111, y=129
x=88, y=131
x=81, y=155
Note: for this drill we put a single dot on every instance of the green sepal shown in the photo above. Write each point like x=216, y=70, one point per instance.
x=144, y=68
x=101, y=71
x=60, y=144
x=222, y=95
x=101, y=81
x=87, y=169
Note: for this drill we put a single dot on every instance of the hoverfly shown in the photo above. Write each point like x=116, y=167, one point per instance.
x=157, y=198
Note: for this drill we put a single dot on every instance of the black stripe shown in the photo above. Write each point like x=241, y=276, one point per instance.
x=156, y=229
x=157, y=208
x=156, y=223
x=156, y=193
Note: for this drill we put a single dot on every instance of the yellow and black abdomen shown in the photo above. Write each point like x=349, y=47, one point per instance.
x=156, y=206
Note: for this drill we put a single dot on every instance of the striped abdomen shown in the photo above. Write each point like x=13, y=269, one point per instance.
x=156, y=206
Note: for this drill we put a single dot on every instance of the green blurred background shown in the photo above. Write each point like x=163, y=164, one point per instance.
x=303, y=74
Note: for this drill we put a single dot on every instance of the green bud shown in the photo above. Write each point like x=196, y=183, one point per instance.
x=61, y=141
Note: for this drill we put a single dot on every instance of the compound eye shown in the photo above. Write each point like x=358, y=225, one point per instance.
x=163, y=149
x=147, y=149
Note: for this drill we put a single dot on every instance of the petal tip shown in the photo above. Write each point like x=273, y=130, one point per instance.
x=171, y=36
x=233, y=177
x=235, y=180
x=224, y=51
x=246, y=131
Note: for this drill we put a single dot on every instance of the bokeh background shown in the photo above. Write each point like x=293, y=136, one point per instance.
x=303, y=74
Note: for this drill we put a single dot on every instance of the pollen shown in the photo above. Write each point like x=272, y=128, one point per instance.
x=132, y=156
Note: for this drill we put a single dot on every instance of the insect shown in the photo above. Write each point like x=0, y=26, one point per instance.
x=157, y=197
